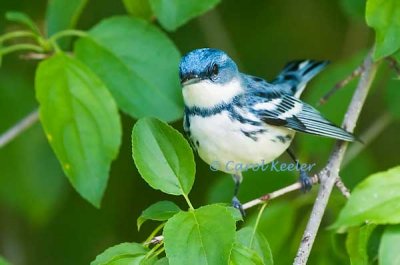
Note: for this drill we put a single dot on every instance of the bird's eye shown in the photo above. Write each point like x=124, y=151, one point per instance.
x=215, y=69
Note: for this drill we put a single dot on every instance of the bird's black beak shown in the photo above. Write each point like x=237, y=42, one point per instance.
x=190, y=79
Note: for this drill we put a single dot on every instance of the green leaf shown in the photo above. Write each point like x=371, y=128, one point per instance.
x=163, y=157
x=162, y=261
x=138, y=8
x=23, y=19
x=393, y=97
x=376, y=200
x=81, y=122
x=122, y=254
x=243, y=255
x=160, y=211
x=62, y=15
x=174, y=13
x=257, y=242
x=237, y=216
x=357, y=244
x=201, y=236
x=389, y=248
x=384, y=17
x=138, y=63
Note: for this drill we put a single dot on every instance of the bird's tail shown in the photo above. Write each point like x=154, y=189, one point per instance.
x=296, y=74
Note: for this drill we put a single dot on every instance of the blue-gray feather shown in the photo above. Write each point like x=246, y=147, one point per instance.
x=200, y=62
x=296, y=74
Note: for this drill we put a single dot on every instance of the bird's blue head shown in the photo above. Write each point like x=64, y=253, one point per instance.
x=207, y=64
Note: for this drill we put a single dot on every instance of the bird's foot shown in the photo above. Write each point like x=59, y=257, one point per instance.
x=305, y=181
x=236, y=204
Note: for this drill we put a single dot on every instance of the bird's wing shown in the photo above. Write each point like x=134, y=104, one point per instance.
x=292, y=113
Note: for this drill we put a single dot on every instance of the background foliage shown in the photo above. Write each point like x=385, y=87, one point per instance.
x=126, y=57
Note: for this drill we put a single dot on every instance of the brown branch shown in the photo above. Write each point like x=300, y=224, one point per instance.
x=341, y=84
x=330, y=173
x=277, y=193
x=342, y=187
x=34, y=56
x=19, y=128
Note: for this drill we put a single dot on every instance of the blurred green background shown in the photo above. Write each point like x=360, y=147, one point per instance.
x=44, y=221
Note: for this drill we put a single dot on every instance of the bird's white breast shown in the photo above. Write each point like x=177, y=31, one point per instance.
x=206, y=94
x=221, y=140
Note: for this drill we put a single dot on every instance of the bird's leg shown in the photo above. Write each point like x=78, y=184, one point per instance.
x=237, y=178
x=305, y=180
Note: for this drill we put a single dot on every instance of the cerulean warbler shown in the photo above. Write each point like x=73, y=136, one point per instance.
x=231, y=116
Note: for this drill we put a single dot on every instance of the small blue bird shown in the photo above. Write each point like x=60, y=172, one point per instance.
x=234, y=117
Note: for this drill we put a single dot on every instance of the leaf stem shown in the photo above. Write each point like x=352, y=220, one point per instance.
x=161, y=250
x=67, y=33
x=17, y=34
x=21, y=47
x=151, y=236
x=257, y=222
x=55, y=46
x=188, y=201
x=154, y=249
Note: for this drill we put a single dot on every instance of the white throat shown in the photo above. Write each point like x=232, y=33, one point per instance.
x=206, y=94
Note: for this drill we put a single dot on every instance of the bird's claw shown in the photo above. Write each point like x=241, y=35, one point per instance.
x=236, y=204
x=305, y=181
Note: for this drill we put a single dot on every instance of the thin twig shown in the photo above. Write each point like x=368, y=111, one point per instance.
x=156, y=240
x=277, y=193
x=19, y=128
x=330, y=173
x=341, y=84
x=34, y=56
x=342, y=187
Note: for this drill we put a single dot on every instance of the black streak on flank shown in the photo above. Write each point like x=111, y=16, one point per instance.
x=281, y=138
x=253, y=134
x=284, y=139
